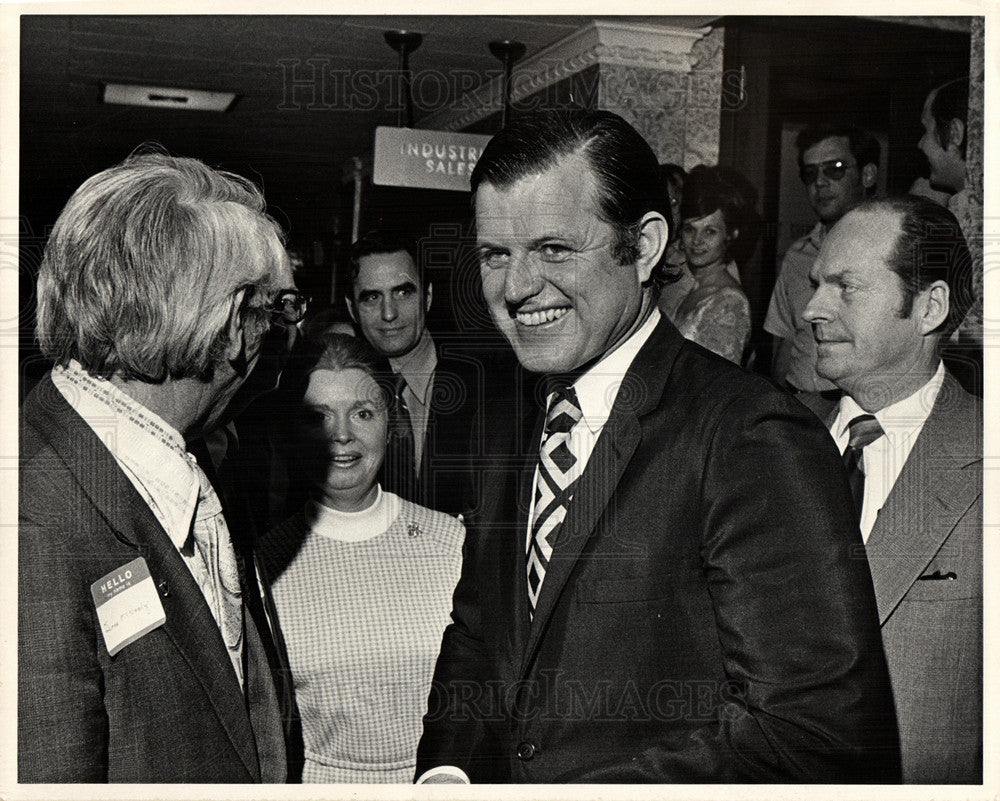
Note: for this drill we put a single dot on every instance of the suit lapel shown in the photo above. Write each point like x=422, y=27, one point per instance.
x=501, y=525
x=513, y=562
x=189, y=622
x=927, y=500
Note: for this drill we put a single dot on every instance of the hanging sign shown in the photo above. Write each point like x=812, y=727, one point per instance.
x=425, y=159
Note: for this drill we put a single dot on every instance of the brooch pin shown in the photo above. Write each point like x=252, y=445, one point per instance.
x=414, y=530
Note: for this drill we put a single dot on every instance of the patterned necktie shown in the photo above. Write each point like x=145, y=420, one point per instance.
x=220, y=577
x=554, y=489
x=865, y=429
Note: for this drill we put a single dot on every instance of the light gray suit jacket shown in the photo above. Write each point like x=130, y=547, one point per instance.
x=926, y=558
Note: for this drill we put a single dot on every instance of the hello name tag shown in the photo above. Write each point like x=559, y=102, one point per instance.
x=128, y=606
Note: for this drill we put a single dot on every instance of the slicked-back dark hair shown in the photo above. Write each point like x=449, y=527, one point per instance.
x=375, y=243
x=951, y=102
x=623, y=163
x=863, y=146
x=930, y=247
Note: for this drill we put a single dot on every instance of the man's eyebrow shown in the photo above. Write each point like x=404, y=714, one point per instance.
x=404, y=285
x=830, y=278
x=534, y=242
x=546, y=238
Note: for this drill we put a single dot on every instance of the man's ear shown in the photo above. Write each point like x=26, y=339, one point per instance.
x=653, y=233
x=350, y=307
x=235, y=351
x=869, y=175
x=429, y=295
x=956, y=133
x=935, y=304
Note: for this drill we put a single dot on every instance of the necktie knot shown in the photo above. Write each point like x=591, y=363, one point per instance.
x=564, y=412
x=864, y=430
x=399, y=384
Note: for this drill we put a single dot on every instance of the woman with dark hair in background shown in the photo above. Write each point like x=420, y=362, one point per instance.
x=715, y=312
x=362, y=579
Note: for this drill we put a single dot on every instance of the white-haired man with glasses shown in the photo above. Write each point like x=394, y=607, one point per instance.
x=139, y=656
x=839, y=168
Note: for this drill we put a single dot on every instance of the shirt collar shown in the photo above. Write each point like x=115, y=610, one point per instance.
x=148, y=448
x=417, y=366
x=904, y=415
x=598, y=388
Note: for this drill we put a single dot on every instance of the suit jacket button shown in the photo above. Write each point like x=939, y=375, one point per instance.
x=164, y=588
x=526, y=751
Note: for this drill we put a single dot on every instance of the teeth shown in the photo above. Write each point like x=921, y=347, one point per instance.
x=539, y=317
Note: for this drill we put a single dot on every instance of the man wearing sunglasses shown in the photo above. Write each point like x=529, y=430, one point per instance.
x=838, y=167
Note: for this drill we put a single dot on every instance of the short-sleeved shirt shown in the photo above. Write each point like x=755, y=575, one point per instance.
x=792, y=292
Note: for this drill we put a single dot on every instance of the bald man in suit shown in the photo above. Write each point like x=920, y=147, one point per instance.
x=892, y=282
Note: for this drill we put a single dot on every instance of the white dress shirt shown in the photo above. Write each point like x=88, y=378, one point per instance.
x=883, y=460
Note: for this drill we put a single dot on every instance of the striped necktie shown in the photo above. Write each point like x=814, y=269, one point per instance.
x=554, y=488
x=864, y=430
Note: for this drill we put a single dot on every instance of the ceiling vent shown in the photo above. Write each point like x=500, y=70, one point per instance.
x=167, y=97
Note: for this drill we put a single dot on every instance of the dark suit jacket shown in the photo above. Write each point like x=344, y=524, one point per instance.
x=469, y=377
x=932, y=628
x=167, y=707
x=707, y=614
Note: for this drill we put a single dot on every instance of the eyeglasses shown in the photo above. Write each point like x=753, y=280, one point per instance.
x=289, y=306
x=834, y=170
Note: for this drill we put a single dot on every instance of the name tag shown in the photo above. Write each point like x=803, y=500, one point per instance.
x=128, y=606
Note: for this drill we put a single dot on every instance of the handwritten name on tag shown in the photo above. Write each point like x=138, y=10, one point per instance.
x=128, y=606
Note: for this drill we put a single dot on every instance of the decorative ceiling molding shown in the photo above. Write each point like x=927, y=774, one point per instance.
x=653, y=47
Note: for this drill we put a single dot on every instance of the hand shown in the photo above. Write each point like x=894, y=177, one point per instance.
x=444, y=778
x=444, y=774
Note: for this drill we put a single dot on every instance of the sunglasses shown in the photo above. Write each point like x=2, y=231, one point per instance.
x=833, y=170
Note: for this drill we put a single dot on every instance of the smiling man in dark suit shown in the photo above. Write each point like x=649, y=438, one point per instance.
x=663, y=584
x=893, y=281
x=138, y=660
